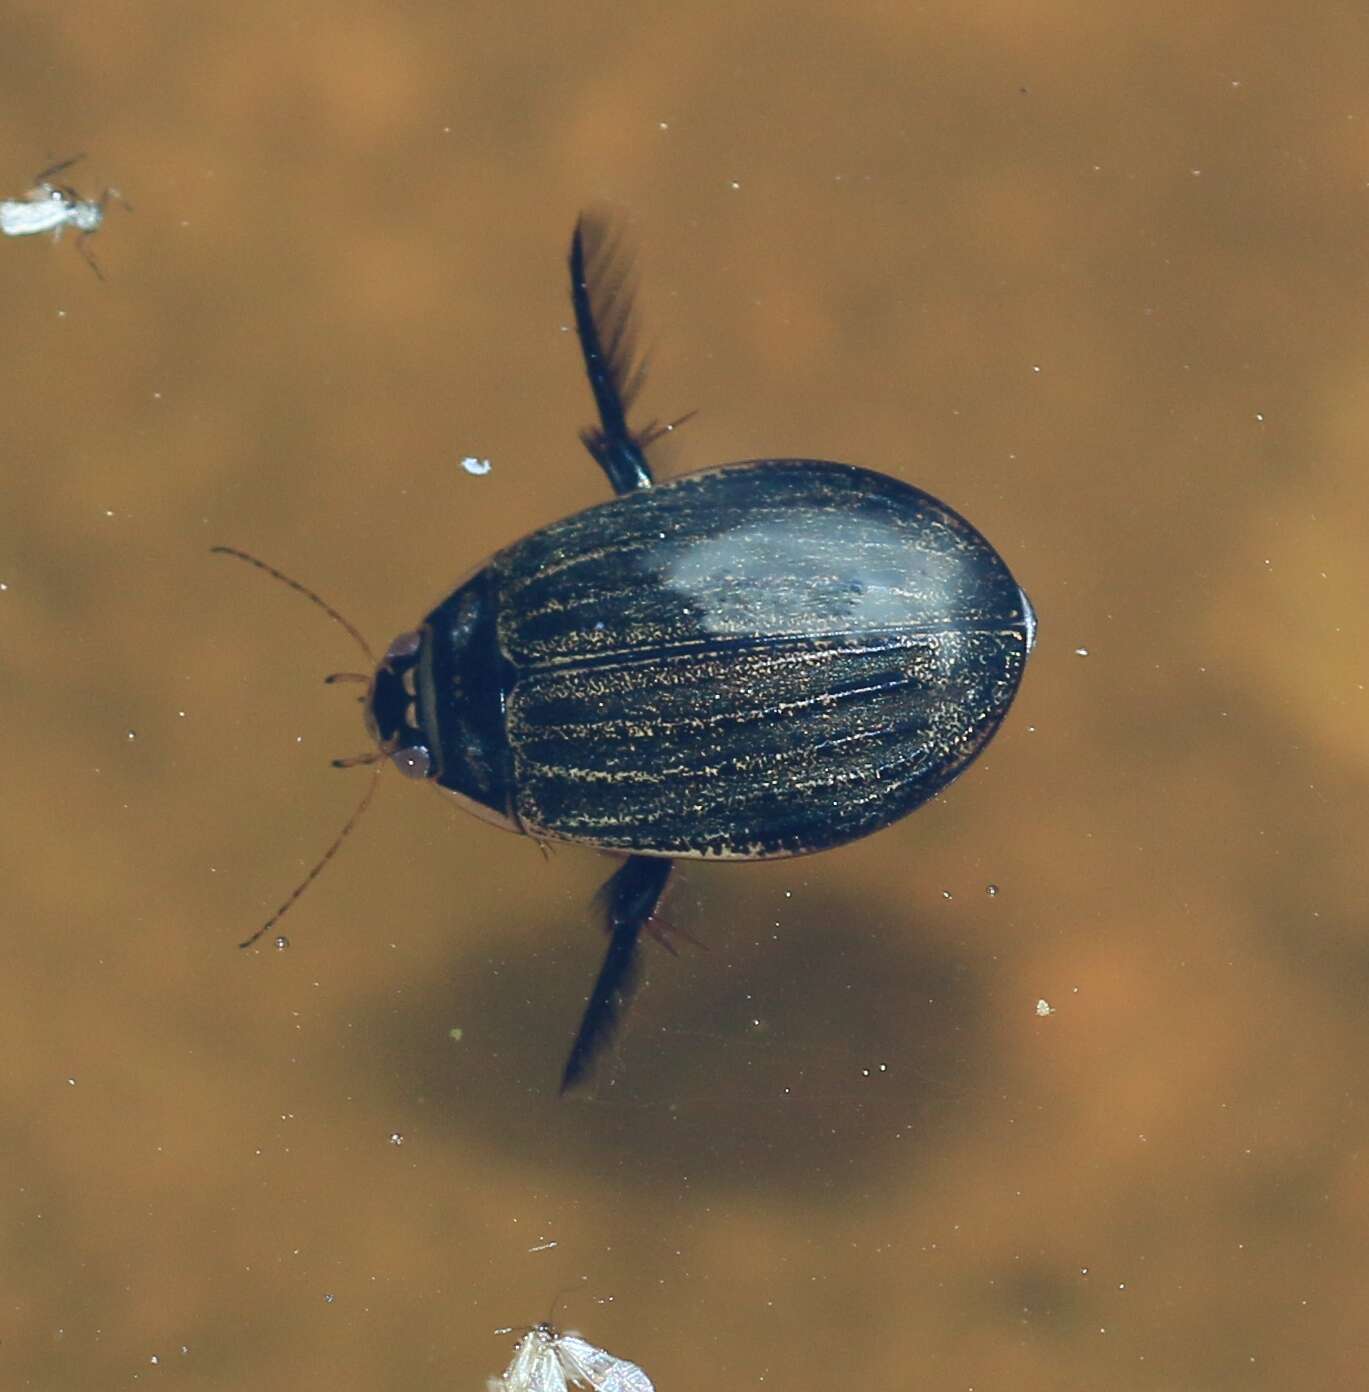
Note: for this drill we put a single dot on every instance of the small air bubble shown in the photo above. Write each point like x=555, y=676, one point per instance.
x=133, y=734
x=991, y=890
x=396, y=1138
x=282, y=943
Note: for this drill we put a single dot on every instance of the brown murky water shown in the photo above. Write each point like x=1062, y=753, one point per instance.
x=1096, y=276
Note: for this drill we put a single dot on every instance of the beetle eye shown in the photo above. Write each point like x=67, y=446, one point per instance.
x=406, y=645
x=412, y=763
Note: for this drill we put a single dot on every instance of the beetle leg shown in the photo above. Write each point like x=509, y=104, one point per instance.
x=630, y=897
x=660, y=931
x=608, y=340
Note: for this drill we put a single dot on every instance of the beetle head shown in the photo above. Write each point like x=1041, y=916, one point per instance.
x=391, y=709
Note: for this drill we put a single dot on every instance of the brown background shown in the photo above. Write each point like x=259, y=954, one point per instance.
x=1096, y=274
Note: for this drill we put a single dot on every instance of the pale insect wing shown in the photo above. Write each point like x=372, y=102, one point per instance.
x=22, y=218
x=535, y=1367
x=547, y=1376
x=599, y=1369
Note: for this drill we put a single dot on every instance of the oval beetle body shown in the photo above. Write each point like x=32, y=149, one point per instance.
x=761, y=660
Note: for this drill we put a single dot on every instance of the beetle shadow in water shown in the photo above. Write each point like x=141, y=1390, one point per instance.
x=817, y=1052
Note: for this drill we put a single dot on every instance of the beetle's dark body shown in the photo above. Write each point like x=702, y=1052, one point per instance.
x=761, y=660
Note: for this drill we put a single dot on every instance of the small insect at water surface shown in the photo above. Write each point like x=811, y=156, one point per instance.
x=546, y=1360
x=49, y=207
x=763, y=659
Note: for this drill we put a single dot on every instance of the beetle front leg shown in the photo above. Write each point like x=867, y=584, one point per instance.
x=629, y=897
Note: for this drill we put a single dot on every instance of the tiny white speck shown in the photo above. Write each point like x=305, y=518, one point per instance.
x=1259, y=416
x=662, y=125
x=734, y=184
x=1044, y=1008
x=1081, y=652
x=1036, y=367
x=396, y=1138
x=472, y=465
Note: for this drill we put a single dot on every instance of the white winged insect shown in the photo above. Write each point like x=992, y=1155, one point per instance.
x=49, y=207
x=546, y=1360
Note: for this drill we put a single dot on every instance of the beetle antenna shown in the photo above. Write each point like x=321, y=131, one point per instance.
x=324, y=859
x=306, y=592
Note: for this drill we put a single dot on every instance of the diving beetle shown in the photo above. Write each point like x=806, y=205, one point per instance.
x=762, y=659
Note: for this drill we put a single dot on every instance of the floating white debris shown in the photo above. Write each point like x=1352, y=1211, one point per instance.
x=472, y=465
x=548, y=1361
x=1044, y=1008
